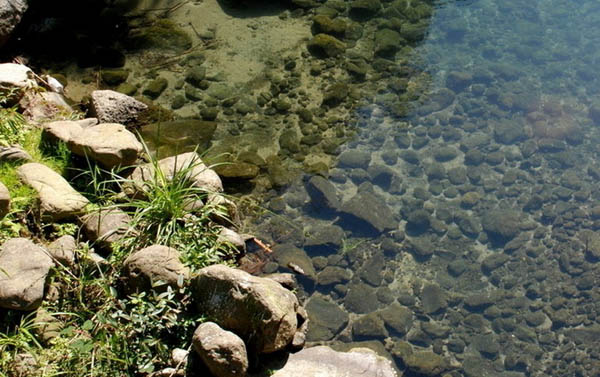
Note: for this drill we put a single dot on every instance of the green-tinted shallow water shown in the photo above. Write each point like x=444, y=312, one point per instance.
x=436, y=180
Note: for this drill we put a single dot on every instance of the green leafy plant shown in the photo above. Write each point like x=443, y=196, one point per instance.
x=12, y=123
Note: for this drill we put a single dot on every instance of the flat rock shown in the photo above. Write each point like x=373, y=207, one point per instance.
x=144, y=268
x=367, y=213
x=58, y=200
x=259, y=310
x=323, y=361
x=24, y=267
x=110, y=144
x=4, y=200
x=187, y=165
x=114, y=107
x=223, y=352
x=11, y=74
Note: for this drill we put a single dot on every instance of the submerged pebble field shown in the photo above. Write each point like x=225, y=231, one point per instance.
x=430, y=168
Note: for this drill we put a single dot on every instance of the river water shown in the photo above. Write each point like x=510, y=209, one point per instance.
x=432, y=183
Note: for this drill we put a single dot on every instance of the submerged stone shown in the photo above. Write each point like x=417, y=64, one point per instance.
x=326, y=319
x=367, y=213
x=324, y=45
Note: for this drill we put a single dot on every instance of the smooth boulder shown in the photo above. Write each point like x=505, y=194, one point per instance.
x=260, y=310
x=223, y=352
x=58, y=200
x=110, y=144
x=106, y=226
x=114, y=107
x=24, y=267
x=146, y=267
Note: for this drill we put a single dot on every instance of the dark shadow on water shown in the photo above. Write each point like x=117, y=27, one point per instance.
x=253, y=8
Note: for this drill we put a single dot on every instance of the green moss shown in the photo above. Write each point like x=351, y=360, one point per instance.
x=161, y=34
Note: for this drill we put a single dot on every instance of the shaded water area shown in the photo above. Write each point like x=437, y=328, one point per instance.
x=430, y=173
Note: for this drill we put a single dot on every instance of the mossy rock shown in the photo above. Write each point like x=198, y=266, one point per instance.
x=114, y=77
x=155, y=87
x=364, y=9
x=178, y=136
x=162, y=34
x=324, y=45
x=237, y=171
x=127, y=89
x=326, y=25
x=388, y=42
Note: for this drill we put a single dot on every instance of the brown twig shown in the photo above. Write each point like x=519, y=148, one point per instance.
x=266, y=248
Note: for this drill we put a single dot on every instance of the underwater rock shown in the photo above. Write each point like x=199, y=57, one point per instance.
x=172, y=137
x=323, y=194
x=508, y=131
x=501, y=225
x=367, y=213
x=324, y=45
x=361, y=299
x=354, y=158
x=397, y=318
x=433, y=299
x=324, y=24
x=458, y=81
x=195, y=76
x=326, y=319
x=369, y=326
x=372, y=271
x=237, y=171
x=327, y=239
x=335, y=94
x=364, y=9
x=155, y=87
x=114, y=77
x=334, y=275
x=387, y=42
x=289, y=255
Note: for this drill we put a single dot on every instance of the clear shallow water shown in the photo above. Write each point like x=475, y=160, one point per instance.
x=479, y=207
x=457, y=229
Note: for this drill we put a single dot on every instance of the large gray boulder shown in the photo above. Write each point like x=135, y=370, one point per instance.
x=323, y=361
x=188, y=164
x=24, y=267
x=39, y=107
x=146, y=267
x=114, y=107
x=110, y=144
x=223, y=352
x=259, y=310
x=11, y=12
x=4, y=200
x=58, y=200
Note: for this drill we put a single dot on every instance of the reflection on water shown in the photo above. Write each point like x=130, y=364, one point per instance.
x=463, y=238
